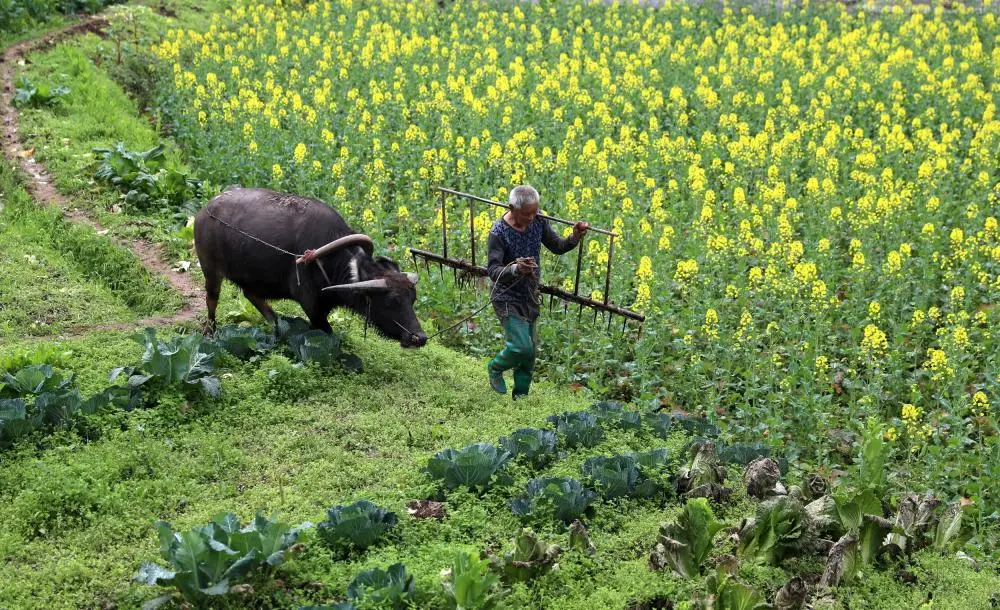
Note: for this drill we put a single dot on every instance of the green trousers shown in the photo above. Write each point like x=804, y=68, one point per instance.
x=518, y=353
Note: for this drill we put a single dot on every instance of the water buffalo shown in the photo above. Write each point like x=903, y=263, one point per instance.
x=337, y=271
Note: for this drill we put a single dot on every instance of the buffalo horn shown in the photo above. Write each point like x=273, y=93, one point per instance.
x=363, y=285
x=355, y=239
x=413, y=277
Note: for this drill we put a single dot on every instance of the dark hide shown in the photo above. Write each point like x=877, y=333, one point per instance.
x=296, y=224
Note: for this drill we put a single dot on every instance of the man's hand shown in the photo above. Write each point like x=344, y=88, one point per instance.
x=526, y=266
x=580, y=229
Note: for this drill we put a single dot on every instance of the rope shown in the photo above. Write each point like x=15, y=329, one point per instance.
x=254, y=237
x=307, y=256
x=478, y=311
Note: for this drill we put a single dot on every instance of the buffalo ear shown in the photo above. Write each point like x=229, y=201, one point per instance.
x=385, y=261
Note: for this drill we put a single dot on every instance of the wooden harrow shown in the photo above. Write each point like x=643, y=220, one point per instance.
x=554, y=292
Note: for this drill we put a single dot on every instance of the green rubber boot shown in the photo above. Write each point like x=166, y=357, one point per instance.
x=496, y=379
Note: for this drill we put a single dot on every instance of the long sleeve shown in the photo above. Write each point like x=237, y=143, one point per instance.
x=556, y=244
x=495, y=258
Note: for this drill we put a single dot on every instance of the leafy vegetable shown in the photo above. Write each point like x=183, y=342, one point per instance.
x=530, y=558
x=562, y=497
x=954, y=528
x=843, y=561
x=535, y=445
x=579, y=539
x=873, y=457
x=612, y=477
x=31, y=95
x=744, y=453
x=762, y=478
x=914, y=520
x=243, y=342
x=852, y=507
x=684, y=544
x=792, y=595
x=658, y=423
x=614, y=415
x=823, y=517
x=472, y=466
x=577, y=429
x=696, y=426
x=727, y=593
x=183, y=359
x=208, y=560
x=310, y=345
x=469, y=584
x=356, y=526
x=702, y=473
x=872, y=535
x=776, y=532
x=383, y=588
x=147, y=181
x=37, y=397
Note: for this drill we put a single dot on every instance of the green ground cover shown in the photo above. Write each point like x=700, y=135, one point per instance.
x=77, y=505
x=57, y=276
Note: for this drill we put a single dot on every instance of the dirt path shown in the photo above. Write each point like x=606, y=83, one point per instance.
x=40, y=187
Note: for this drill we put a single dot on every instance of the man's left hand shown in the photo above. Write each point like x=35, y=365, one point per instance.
x=580, y=229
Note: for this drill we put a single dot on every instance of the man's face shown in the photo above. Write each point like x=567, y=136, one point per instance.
x=525, y=215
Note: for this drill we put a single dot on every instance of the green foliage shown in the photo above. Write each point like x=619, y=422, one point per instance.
x=355, y=526
x=727, y=593
x=392, y=588
x=954, y=527
x=621, y=475
x=18, y=15
x=776, y=532
x=243, y=342
x=577, y=429
x=38, y=397
x=696, y=426
x=612, y=414
x=561, y=498
x=873, y=458
x=186, y=359
x=702, y=474
x=684, y=544
x=530, y=558
x=612, y=477
x=471, y=467
x=852, y=506
x=659, y=424
x=147, y=181
x=30, y=95
x=871, y=537
x=470, y=585
x=208, y=560
x=536, y=446
x=311, y=345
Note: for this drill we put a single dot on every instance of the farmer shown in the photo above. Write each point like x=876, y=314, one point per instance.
x=514, y=254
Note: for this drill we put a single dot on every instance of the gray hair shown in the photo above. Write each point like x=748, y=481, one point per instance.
x=521, y=196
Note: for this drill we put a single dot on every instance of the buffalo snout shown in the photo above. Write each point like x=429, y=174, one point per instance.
x=418, y=339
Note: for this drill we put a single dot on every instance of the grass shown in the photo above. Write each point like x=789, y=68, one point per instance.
x=63, y=275
x=78, y=511
x=77, y=508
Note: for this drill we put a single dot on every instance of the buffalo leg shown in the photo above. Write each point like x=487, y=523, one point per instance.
x=262, y=306
x=213, y=286
x=316, y=313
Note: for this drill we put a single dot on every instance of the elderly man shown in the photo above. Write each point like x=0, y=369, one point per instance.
x=514, y=255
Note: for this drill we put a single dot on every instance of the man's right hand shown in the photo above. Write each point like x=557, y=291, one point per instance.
x=527, y=266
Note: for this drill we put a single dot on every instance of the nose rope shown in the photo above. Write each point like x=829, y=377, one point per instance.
x=490, y=301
